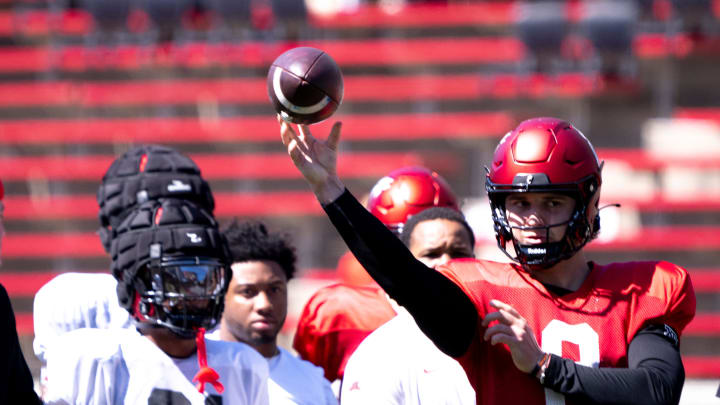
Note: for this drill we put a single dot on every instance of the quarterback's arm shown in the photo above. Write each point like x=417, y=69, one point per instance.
x=440, y=308
x=655, y=374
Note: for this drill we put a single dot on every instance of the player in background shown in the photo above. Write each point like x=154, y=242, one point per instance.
x=338, y=317
x=255, y=311
x=16, y=382
x=82, y=300
x=413, y=370
x=551, y=327
x=172, y=266
x=393, y=199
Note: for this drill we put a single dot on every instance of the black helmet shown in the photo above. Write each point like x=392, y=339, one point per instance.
x=144, y=173
x=172, y=265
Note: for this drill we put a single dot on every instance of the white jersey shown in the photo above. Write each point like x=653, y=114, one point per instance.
x=120, y=367
x=398, y=364
x=76, y=300
x=294, y=381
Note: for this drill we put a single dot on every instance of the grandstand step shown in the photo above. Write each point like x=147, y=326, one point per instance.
x=641, y=159
x=368, y=52
x=79, y=244
x=658, y=238
x=702, y=366
x=358, y=88
x=704, y=324
x=419, y=15
x=27, y=283
x=253, y=129
x=241, y=204
x=228, y=204
x=222, y=166
x=38, y=21
x=699, y=113
x=705, y=280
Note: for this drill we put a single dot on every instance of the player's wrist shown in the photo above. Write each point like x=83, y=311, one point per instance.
x=329, y=190
x=542, y=361
x=541, y=367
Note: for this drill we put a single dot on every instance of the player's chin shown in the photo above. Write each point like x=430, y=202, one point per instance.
x=264, y=335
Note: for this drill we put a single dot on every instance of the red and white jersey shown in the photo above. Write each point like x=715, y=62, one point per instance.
x=592, y=326
x=398, y=365
x=335, y=320
x=115, y=367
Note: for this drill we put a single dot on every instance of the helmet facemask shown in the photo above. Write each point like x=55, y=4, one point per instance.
x=578, y=232
x=181, y=294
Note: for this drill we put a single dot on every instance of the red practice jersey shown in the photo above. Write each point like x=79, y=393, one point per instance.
x=334, y=322
x=592, y=326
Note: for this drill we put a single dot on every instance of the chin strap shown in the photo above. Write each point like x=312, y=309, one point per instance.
x=206, y=375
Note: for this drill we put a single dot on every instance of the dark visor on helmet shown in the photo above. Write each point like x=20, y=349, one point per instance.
x=188, y=279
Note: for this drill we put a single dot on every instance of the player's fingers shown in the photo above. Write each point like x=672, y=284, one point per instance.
x=509, y=340
x=287, y=134
x=305, y=136
x=498, y=328
x=496, y=316
x=505, y=307
x=334, y=137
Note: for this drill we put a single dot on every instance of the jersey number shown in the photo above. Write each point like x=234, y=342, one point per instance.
x=166, y=397
x=587, y=340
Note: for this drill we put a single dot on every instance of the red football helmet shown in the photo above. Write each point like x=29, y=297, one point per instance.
x=545, y=155
x=407, y=191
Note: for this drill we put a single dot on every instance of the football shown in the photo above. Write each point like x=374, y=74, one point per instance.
x=305, y=85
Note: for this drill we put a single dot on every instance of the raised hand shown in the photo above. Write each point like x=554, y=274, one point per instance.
x=513, y=330
x=316, y=160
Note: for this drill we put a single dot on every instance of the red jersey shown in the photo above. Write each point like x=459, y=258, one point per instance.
x=334, y=322
x=592, y=326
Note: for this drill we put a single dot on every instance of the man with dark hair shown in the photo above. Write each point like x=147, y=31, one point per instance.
x=75, y=300
x=172, y=267
x=552, y=326
x=255, y=311
x=414, y=371
x=338, y=317
x=16, y=383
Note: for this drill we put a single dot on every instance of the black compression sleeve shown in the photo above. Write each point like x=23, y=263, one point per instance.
x=440, y=308
x=655, y=374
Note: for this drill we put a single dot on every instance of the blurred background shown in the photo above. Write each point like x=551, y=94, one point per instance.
x=433, y=83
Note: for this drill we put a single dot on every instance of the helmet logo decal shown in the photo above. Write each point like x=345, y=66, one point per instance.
x=178, y=185
x=537, y=251
x=194, y=238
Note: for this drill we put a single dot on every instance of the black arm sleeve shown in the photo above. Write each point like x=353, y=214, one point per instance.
x=655, y=374
x=16, y=383
x=440, y=308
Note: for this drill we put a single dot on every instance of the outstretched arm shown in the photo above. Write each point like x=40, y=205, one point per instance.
x=441, y=309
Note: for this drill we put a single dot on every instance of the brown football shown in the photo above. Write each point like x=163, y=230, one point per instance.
x=305, y=85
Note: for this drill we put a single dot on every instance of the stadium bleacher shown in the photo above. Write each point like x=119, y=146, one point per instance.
x=427, y=84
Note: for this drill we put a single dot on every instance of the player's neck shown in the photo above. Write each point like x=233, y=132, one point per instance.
x=567, y=274
x=171, y=344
